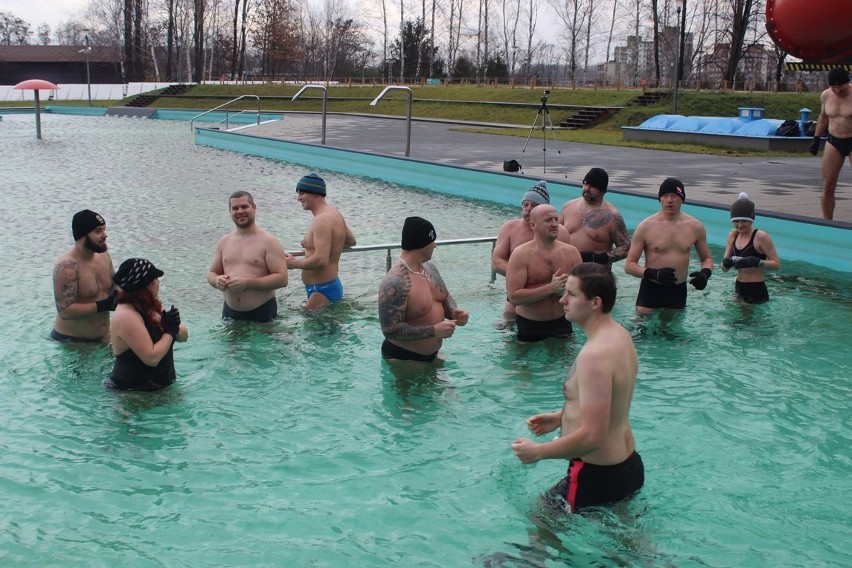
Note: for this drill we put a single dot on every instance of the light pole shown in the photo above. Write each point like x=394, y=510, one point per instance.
x=678, y=7
x=87, y=51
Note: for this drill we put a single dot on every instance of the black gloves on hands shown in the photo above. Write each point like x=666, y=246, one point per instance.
x=598, y=257
x=729, y=261
x=665, y=276
x=747, y=262
x=699, y=279
x=170, y=321
x=814, y=147
x=107, y=304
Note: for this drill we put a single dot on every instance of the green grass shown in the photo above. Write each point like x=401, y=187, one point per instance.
x=470, y=104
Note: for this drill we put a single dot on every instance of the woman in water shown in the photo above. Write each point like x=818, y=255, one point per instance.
x=143, y=334
x=750, y=252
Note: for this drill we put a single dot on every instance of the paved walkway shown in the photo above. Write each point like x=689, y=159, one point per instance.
x=788, y=186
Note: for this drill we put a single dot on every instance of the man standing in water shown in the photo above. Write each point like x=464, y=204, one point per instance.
x=595, y=225
x=82, y=283
x=595, y=434
x=416, y=311
x=327, y=236
x=666, y=239
x=248, y=265
x=536, y=279
x=517, y=232
x=835, y=118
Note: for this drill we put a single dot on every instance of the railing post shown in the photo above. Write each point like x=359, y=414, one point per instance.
x=388, y=261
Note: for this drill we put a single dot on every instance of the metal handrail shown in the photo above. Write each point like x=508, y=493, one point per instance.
x=227, y=116
x=392, y=246
x=324, y=103
x=408, y=112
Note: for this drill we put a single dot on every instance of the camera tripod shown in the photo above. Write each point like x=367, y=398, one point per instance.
x=543, y=113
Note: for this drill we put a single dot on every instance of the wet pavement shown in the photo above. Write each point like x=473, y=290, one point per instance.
x=788, y=186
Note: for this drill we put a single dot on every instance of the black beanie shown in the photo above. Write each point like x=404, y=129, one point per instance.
x=135, y=273
x=597, y=177
x=84, y=222
x=742, y=209
x=417, y=232
x=837, y=76
x=672, y=185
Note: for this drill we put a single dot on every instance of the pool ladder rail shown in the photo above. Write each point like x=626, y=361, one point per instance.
x=392, y=246
x=228, y=115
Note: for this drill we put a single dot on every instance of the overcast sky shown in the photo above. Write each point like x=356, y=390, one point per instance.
x=50, y=12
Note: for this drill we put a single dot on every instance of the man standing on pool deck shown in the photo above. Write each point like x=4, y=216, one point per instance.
x=536, y=279
x=835, y=118
x=82, y=283
x=327, y=236
x=666, y=238
x=596, y=227
x=595, y=434
x=416, y=311
x=516, y=232
x=248, y=265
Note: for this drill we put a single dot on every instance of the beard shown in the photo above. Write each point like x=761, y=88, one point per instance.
x=93, y=246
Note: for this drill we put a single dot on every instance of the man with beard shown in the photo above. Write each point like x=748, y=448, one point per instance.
x=596, y=227
x=82, y=283
x=324, y=241
x=248, y=265
x=536, y=276
x=516, y=232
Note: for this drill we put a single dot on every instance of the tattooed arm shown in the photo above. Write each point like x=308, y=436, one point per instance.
x=620, y=238
x=393, y=300
x=66, y=276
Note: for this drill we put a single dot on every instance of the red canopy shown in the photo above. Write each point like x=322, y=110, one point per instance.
x=812, y=30
x=36, y=84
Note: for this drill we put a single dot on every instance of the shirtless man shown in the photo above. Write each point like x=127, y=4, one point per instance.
x=248, y=265
x=517, y=232
x=835, y=118
x=595, y=225
x=416, y=311
x=536, y=278
x=594, y=422
x=327, y=236
x=82, y=283
x=666, y=238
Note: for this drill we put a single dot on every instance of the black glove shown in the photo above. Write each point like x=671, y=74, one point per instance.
x=665, y=276
x=107, y=304
x=728, y=261
x=699, y=279
x=814, y=147
x=747, y=262
x=598, y=257
x=170, y=321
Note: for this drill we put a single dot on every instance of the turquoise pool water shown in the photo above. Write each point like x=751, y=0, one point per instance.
x=296, y=446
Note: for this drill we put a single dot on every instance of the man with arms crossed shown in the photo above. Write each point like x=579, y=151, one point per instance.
x=416, y=311
x=594, y=422
x=835, y=118
x=517, y=232
x=248, y=265
x=82, y=283
x=324, y=241
x=595, y=225
x=666, y=239
x=536, y=278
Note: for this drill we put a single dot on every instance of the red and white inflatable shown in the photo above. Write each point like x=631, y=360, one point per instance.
x=815, y=31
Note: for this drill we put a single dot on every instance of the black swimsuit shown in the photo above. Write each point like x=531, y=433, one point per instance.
x=130, y=373
x=750, y=292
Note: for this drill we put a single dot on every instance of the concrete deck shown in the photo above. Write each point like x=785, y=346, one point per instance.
x=782, y=186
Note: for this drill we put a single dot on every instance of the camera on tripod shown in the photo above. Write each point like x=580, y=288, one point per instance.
x=544, y=96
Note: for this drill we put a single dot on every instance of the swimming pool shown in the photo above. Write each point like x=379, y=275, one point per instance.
x=297, y=446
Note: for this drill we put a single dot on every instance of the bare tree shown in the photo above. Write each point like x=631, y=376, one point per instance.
x=572, y=14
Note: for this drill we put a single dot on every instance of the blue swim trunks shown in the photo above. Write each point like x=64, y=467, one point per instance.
x=333, y=291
